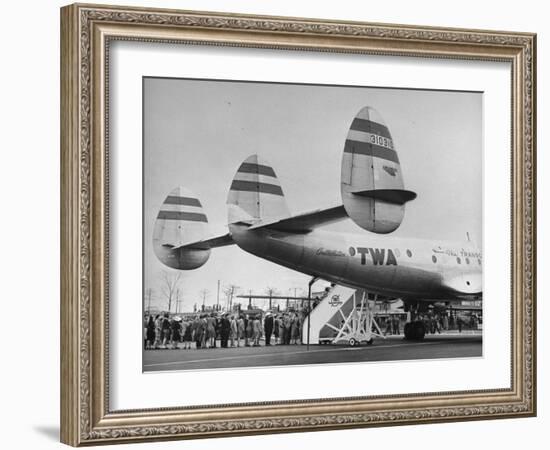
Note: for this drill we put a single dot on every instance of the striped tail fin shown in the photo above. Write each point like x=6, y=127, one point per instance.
x=255, y=195
x=372, y=184
x=180, y=222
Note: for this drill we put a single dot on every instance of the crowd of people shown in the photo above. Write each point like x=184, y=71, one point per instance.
x=241, y=329
x=434, y=323
x=391, y=325
x=209, y=330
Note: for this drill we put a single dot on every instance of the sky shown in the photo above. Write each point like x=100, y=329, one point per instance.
x=197, y=132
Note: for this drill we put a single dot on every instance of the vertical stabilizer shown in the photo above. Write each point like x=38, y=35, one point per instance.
x=255, y=195
x=372, y=185
x=180, y=221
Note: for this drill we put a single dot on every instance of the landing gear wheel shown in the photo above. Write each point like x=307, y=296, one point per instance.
x=414, y=331
x=370, y=341
x=353, y=342
x=419, y=330
x=407, y=331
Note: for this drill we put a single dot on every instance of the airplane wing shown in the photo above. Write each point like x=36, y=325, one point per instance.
x=205, y=244
x=304, y=223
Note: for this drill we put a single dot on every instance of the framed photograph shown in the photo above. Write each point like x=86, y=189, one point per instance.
x=274, y=224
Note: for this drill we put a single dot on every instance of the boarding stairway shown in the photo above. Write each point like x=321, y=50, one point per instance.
x=343, y=315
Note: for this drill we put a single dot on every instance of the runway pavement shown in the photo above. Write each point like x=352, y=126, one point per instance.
x=393, y=348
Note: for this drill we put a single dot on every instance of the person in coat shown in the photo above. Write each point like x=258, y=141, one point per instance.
x=150, y=333
x=282, y=330
x=240, y=330
x=249, y=330
x=225, y=329
x=276, y=329
x=257, y=331
x=166, y=330
x=200, y=332
x=187, y=335
x=295, y=329
x=232, y=330
x=175, y=335
x=210, y=331
x=268, y=328
x=158, y=331
x=287, y=320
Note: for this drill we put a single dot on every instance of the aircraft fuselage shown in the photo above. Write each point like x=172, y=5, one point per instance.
x=396, y=267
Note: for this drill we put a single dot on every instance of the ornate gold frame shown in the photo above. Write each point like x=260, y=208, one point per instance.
x=86, y=31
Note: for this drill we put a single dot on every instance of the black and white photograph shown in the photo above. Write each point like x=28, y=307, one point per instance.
x=267, y=225
x=293, y=224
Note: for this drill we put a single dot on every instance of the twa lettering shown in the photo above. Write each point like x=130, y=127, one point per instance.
x=378, y=256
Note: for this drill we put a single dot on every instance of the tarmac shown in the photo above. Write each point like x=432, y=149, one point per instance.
x=390, y=348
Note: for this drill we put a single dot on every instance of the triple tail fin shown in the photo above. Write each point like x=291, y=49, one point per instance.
x=372, y=184
x=181, y=221
x=256, y=196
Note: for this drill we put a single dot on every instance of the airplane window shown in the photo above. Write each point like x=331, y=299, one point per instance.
x=479, y=261
x=467, y=261
x=458, y=260
x=434, y=259
x=409, y=253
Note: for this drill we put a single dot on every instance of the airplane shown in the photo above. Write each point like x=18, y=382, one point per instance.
x=417, y=271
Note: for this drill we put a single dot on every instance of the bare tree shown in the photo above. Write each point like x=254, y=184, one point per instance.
x=178, y=300
x=271, y=291
x=170, y=282
x=148, y=297
x=204, y=293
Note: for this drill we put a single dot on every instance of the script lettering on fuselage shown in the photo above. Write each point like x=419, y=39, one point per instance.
x=469, y=254
x=455, y=252
x=329, y=252
x=378, y=256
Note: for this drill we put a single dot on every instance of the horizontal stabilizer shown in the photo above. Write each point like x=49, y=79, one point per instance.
x=396, y=196
x=205, y=244
x=304, y=223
